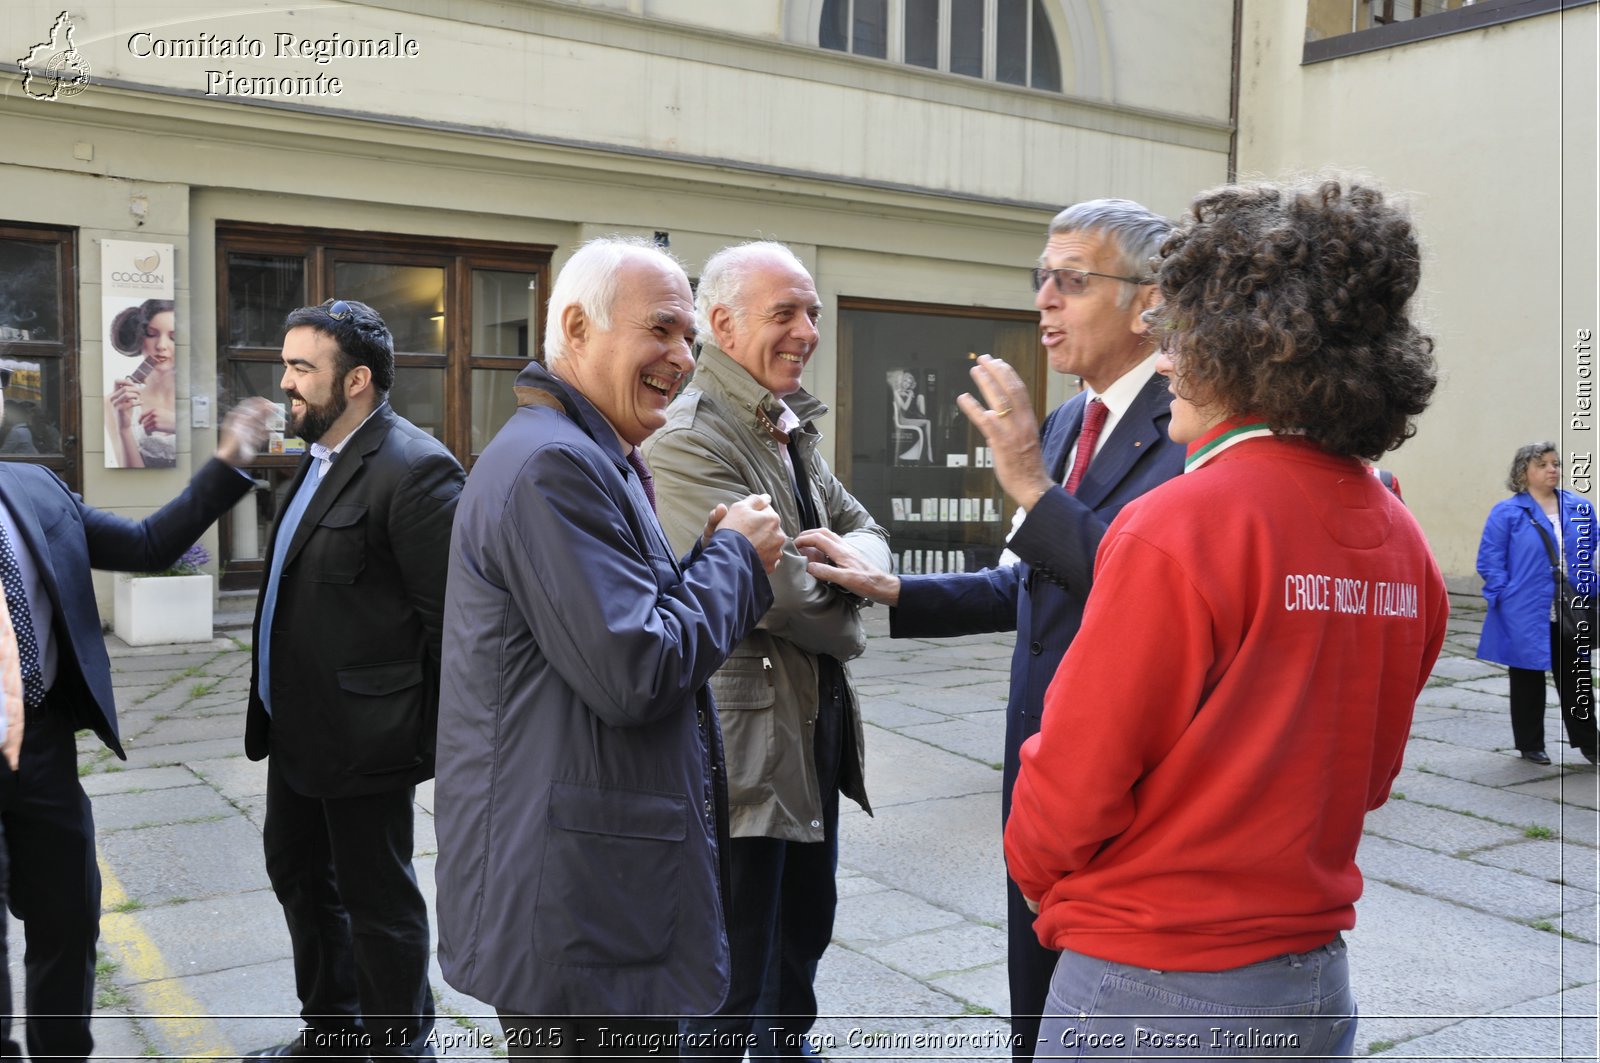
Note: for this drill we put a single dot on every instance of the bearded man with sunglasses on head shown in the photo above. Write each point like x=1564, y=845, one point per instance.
x=345, y=692
x=1098, y=451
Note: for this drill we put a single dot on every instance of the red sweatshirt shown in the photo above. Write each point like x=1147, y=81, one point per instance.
x=1238, y=698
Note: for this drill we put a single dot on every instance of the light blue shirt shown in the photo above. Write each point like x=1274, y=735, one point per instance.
x=269, y=599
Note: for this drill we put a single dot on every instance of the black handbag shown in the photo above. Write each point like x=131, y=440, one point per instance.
x=1575, y=612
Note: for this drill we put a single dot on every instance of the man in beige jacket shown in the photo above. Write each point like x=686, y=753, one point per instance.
x=790, y=723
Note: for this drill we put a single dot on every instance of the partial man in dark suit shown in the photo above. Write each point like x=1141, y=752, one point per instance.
x=1099, y=450
x=345, y=690
x=49, y=540
x=582, y=806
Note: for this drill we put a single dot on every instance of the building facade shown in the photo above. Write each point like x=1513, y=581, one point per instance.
x=1483, y=116
x=911, y=151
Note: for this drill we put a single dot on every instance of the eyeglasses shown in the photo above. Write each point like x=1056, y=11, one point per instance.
x=339, y=310
x=1076, y=281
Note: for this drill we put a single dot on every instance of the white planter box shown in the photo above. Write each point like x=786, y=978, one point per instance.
x=151, y=610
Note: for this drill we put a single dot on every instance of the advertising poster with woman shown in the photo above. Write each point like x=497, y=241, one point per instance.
x=140, y=355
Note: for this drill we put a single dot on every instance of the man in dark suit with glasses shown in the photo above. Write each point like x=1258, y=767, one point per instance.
x=1096, y=452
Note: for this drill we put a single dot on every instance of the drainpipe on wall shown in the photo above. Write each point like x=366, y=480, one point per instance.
x=1233, y=92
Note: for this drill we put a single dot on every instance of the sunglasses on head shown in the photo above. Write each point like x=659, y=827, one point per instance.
x=1076, y=281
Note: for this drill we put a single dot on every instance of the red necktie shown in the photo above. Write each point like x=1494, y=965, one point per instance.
x=1094, y=419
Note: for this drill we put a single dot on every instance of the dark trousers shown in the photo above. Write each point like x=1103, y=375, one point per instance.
x=1029, y=967
x=1574, y=689
x=588, y=1038
x=341, y=868
x=780, y=914
x=54, y=887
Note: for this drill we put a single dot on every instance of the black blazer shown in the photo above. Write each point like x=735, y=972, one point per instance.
x=1042, y=596
x=66, y=538
x=356, y=629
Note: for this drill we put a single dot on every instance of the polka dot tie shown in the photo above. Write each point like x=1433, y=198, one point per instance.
x=645, y=479
x=22, y=622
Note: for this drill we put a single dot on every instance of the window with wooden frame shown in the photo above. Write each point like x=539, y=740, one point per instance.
x=466, y=317
x=39, y=345
x=905, y=450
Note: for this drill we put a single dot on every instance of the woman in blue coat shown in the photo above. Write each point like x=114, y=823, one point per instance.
x=1520, y=630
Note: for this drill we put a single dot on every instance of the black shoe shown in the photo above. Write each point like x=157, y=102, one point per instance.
x=1588, y=753
x=1538, y=756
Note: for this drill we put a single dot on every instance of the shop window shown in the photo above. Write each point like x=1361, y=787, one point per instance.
x=39, y=345
x=1337, y=28
x=908, y=453
x=998, y=40
x=466, y=319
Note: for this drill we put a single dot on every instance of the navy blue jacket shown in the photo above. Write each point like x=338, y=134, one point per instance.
x=66, y=538
x=1041, y=597
x=1517, y=583
x=581, y=801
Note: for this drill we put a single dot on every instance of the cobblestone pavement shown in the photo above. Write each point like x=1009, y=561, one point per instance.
x=1476, y=937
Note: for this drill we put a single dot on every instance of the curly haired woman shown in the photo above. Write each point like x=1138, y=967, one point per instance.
x=1241, y=691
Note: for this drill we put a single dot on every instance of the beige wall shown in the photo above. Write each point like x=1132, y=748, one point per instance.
x=588, y=74
x=546, y=123
x=1491, y=133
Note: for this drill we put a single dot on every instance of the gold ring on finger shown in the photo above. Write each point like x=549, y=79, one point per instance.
x=1004, y=411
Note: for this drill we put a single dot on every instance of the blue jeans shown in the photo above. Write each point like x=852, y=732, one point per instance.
x=1297, y=1005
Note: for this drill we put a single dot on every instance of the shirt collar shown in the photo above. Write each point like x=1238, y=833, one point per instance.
x=1120, y=395
x=325, y=455
x=1229, y=433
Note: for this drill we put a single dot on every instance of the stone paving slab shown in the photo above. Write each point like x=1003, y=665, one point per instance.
x=1475, y=730
x=901, y=770
x=1414, y=971
x=982, y=741
x=1568, y=787
x=857, y=997
x=235, y=777
x=217, y=933
x=1465, y=668
x=1489, y=889
x=246, y=1008
x=947, y=678
x=880, y=917
x=1497, y=768
x=162, y=753
x=192, y=860
x=1462, y=698
x=944, y=951
x=945, y=851
x=180, y=804
x=1436, y=828
x=1529, y=1029
x=891, y=714
x=986, y=989
x=1554, y=861
x=1484, y=802
x=122, y=780
x=956, y=701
